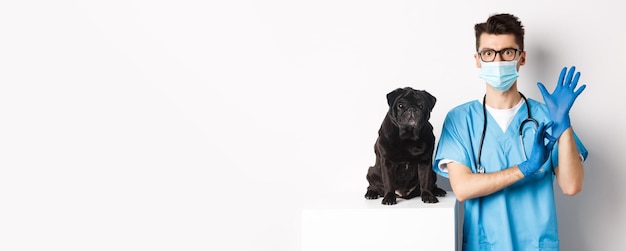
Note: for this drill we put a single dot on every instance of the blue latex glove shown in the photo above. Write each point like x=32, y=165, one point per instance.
x=561, y=100
x=541, y=150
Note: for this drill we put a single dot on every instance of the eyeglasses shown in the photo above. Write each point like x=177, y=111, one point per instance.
x=506, y=54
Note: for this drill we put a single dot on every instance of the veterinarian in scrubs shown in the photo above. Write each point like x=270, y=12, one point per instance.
x=506, y=180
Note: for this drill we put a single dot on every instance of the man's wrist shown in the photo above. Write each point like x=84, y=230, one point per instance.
x=559, y=127
x=527, y=168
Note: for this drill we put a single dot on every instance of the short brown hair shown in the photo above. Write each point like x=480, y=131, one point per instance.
x=501, y=24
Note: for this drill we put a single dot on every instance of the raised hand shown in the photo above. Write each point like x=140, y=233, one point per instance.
x=561, y=100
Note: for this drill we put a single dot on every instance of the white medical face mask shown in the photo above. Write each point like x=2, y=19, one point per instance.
x=500, y=75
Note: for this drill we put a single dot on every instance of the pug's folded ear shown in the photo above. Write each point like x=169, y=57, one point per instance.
x=432, y=100
x=392, y=96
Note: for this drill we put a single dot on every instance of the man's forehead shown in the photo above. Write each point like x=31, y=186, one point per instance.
x=497, y=42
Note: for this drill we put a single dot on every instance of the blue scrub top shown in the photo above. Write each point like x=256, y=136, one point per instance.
x=521, y=216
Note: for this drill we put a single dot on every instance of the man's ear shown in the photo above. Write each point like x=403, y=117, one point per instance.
x=477, y=60
x=522, y=58
x=391, y=97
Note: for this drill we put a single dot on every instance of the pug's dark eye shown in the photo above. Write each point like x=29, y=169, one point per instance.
x=400, y=106
x=421, y=107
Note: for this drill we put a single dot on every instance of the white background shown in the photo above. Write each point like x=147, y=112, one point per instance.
x=195, y=125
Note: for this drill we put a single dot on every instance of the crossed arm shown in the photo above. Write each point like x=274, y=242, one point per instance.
x=569, y=174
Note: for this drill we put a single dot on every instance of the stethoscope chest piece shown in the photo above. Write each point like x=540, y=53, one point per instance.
x=481, y=169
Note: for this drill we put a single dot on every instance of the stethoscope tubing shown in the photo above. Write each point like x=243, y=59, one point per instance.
x=481, y=169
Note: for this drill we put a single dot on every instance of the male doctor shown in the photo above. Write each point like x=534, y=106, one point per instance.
x=503, y=152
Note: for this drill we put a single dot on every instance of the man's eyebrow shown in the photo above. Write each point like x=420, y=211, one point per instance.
x=490, y=49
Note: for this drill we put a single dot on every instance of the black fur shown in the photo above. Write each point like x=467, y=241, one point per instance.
x=404, y=150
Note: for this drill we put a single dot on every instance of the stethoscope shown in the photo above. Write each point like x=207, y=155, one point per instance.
x=481, y=169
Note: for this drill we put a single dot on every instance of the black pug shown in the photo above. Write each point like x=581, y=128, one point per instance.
x=404, y=150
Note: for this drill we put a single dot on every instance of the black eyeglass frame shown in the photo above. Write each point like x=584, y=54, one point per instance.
x=498, y=52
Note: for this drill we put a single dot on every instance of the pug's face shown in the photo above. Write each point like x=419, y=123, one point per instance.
x=409, y=107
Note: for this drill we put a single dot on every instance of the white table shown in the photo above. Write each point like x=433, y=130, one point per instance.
x=354, y=223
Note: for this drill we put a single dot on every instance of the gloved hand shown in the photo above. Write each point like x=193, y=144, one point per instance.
x=540, y=152
x=561, y=100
